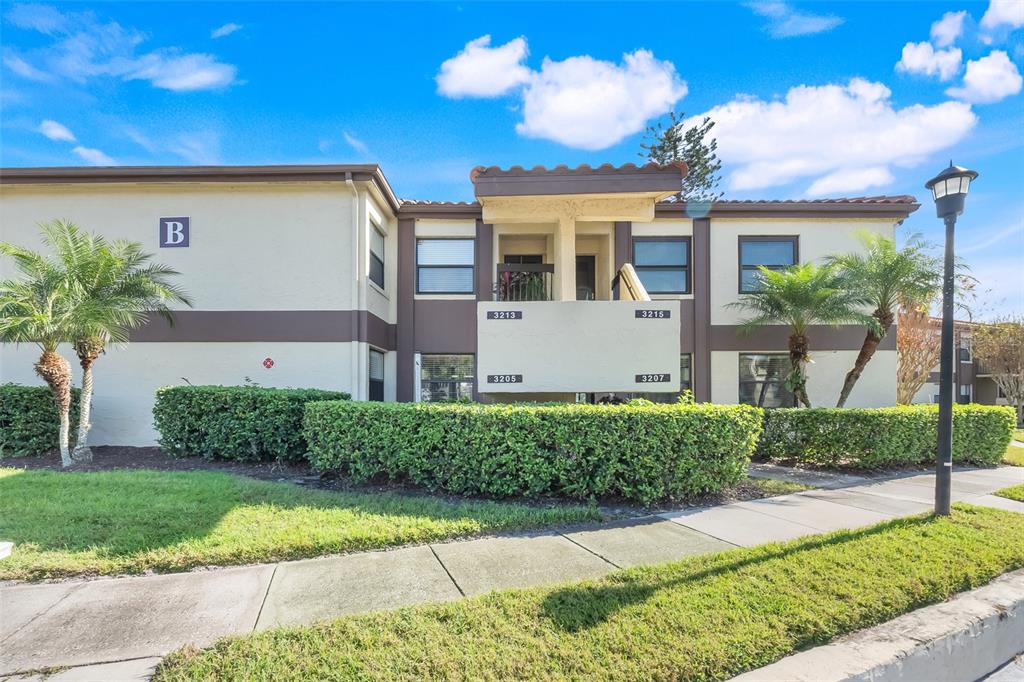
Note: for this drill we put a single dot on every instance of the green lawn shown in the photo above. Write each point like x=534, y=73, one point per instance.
x=706, y=618
x=1014, y=455
x=67, y=524
x=1018, y=434
x=1014, y=493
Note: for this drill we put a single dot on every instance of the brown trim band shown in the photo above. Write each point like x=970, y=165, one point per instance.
x=295, y=326
x=822, y=338
x=406, y=336
x=700, y=368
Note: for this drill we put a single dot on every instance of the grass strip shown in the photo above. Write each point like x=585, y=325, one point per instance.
x=706, y=618
x=1014, y=455
x=130, y=521
x=1015, y=492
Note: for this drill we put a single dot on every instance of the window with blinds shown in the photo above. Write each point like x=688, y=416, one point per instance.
x=446, y=377
x=763, y=379
x=376, y=375
x=376, y=257
x=445, y=266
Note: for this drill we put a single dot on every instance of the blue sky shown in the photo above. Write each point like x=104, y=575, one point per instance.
x=811, y=99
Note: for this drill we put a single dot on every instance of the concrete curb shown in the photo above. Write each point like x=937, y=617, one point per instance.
x=965, y=638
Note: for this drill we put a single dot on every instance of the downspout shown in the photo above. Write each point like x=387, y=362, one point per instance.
x=358, y=385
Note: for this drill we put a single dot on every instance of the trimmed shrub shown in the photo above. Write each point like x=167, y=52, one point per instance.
x=640, y=452
x=29, y=422
x=883, y=437
x=245, y=423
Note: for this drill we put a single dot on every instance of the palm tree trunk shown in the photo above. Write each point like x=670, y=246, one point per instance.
x=798, y=357
x=867, y=351
x=82, y=453
x=55, y=370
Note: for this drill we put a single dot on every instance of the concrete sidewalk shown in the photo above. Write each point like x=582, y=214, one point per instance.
x=116, y=629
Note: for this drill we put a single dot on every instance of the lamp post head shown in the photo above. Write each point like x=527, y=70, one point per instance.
x=949, y=189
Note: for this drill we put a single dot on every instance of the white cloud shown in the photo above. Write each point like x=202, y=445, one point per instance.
x=923, y=59
x=25, y=70
x=843, y=138
x=183, y=73
x=202, y=148
x=580, y=102
x=356, y=143
x=56, y=131
x=1000, y=13
x=587, y=103
x=786, y=22
x=946, y=30
x=94, y=157
x=989, y=79
x=82, y=48
x=483, y=71
x=42, y=18
x=225, y=30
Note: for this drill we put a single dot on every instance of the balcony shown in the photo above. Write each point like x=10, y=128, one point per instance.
x=524, y=282
x=531, y=346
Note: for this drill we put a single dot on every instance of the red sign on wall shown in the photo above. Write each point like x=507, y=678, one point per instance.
x=268, y=362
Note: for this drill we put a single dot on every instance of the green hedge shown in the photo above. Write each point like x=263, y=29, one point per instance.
x=29, y=423
x=234, y=422
x=640, y=452
x=883, y=437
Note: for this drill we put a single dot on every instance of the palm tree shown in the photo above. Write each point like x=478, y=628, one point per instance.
x=38, y=308
x=115, y=287
x=887, y=277
x=801, y=296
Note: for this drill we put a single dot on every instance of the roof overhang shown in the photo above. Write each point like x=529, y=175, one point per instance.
x=369, y=173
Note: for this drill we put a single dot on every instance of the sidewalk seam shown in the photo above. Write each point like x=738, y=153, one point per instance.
x=266, y=595
x=584, y=547
x=447, y=572
x=45, y=611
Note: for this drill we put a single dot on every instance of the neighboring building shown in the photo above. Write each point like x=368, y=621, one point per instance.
x=318, y=276
x=971, y=382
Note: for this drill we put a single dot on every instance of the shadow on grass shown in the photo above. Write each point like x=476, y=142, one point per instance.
x=124, y=512
x=585, y=606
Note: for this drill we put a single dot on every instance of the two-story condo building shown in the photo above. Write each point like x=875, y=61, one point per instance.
x=555, y=284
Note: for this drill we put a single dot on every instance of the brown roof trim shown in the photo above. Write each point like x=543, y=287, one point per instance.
x=142, y=174
x=878, y=207
x=492, y=181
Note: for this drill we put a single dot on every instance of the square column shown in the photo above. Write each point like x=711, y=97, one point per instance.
x=565, y=260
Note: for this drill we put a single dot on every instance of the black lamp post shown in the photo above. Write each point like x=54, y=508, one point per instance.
x=949, y=189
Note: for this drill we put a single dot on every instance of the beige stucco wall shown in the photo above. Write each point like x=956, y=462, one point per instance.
x=876, y=387
x=253, y=246
x=126, y=378
x=818, y=238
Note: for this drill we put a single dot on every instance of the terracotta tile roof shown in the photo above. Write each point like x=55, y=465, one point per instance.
x=880, y=199
x=583, y=169
x=428, y=202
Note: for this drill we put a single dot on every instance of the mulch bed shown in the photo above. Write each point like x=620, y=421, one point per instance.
x=109, y=457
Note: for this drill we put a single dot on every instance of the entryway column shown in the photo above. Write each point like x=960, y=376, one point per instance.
x=565, y=259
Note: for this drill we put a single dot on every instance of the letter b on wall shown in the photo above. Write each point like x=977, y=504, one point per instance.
x=174, y=232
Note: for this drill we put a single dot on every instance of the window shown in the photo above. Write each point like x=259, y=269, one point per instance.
x=965, y=394
x=376, y=387
x=774, y=253
x=663, y=264
x=376, y=257
x=444, y=266
x=446, y=377
x=965, y=349
x=685, y=383
x=762, y=380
